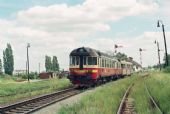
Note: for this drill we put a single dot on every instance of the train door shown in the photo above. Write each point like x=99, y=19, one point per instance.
x=81, y=63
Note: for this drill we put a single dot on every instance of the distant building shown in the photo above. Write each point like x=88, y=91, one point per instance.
x=47, y=75
x=19, y=72
x=136, y=66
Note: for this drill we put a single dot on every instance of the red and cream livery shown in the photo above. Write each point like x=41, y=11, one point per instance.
x=89, y=66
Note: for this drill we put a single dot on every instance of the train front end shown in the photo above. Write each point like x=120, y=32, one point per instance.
x=83, y=67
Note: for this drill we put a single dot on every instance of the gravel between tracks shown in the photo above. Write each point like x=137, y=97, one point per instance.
x=53, y=109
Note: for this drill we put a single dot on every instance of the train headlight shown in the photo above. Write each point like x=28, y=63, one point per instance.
x=92, y=71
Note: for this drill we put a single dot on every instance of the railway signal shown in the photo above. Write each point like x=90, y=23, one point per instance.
x=140, y=51
x=117, y=46
x=163, y=30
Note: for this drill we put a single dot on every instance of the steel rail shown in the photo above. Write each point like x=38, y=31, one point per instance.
x=153, y=101
x=123, y=99
x=31, y=105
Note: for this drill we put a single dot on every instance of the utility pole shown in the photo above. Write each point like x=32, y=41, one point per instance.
x=159, y=62
x=140, y=52
x=28, y=45
x=163, y=30
x=39, y=67
x=26, y=69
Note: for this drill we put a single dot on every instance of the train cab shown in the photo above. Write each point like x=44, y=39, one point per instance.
x=83, y=66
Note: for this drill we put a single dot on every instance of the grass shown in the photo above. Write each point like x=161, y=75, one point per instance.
x=105, y=100
x=142, y=102
x=159, y=86
x=12, y=91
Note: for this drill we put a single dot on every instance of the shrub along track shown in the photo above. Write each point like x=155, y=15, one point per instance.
x=153, y=103
x=127, y=103
x=31, y=105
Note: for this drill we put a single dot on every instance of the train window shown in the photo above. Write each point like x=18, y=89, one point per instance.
x=105, y=64
x=109, y=63
x=77, y=60
x=115, y=64
x=84, y=60
x=72, y=60
x=112, y=64
x=123, y=65
x=94, y=60
x=102, y=62
x=90, y=61
x=98, y=61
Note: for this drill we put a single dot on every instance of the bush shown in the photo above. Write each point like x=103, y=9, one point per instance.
x=167, y=69
x=33, y=75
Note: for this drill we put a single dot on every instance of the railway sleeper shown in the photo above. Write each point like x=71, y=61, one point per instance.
x=17, y=111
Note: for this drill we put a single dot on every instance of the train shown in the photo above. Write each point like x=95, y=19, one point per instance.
x=89, y=67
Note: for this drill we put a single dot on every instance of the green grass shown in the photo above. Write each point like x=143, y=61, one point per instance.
x=11, y=91
x=159, y=86
x=105, y=100
x=142, y=102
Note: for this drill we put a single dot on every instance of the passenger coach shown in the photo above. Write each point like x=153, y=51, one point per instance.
x=89, y=66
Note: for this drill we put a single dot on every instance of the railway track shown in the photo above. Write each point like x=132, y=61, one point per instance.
x=152, y=101
x=31, y=105
x=126, y=106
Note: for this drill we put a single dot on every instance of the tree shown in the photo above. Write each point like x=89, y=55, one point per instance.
x=121, y=56
x=55, y=64
x=0, y=66
x=48, y=64
x=8, y=60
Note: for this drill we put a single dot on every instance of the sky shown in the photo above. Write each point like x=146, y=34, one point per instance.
x=56, y=27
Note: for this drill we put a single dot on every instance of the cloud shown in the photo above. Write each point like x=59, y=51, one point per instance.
x=131, y=46
x=59, y=28
x=92, y=15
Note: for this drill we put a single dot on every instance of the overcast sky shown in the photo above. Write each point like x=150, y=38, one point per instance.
x=55, y=27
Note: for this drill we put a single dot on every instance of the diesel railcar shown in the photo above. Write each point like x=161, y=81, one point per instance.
x=89, y=67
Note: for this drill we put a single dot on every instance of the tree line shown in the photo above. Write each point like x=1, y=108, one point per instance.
x=51, y=65
x=8, y=60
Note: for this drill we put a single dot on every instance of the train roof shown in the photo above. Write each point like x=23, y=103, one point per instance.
x=86, y=51
x=125, y=62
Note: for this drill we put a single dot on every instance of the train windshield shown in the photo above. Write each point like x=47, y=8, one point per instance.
x=74, y=60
